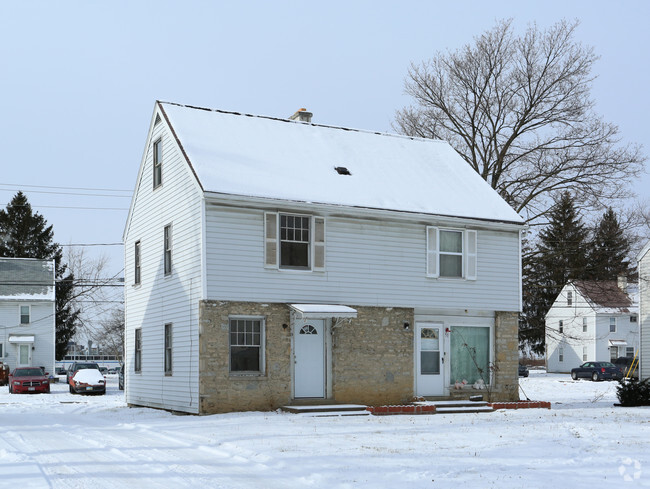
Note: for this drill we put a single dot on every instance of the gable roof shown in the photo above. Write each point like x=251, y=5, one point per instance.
x=26, y=279
x=264, y=157
x=606, y=296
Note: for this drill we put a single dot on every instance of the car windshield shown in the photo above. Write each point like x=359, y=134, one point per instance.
x=606, y=364
x=28, y=372
x=81, y=366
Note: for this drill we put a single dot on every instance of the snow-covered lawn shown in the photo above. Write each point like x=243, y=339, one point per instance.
x=70, y=441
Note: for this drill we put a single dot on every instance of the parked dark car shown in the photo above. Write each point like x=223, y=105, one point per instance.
x=28, y=379
x=624, y=364
x=597, y=371
x=523, y=370
x=78, y=366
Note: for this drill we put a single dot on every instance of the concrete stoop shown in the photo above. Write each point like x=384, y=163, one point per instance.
x=327, y=410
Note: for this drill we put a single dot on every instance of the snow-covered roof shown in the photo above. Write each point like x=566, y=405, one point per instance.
x=264, y=157
x=26, y=279
x=314, y=311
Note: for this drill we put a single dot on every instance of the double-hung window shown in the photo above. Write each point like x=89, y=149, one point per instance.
x=25, y=314
x=136, y=257
x=157, y=163
x=137, y=361
x=561, y=327
x=584, y=325
x=168, y=349
x=569, y=298
x=246, y=345
x=451, y=253
x=612, y=325
x=167, y=256
x=294, y=242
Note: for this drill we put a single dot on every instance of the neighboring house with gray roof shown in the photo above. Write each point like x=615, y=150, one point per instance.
x=27, y=313
x=272, y=261
x=592, y=321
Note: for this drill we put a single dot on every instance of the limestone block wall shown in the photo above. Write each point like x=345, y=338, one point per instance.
x=506, y=357
x=372, y=357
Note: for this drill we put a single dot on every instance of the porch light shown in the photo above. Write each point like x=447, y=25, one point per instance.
x=406, y=325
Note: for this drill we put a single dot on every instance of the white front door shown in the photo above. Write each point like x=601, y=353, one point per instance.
x=24, y=355
x=429, y=352
x=309, y=358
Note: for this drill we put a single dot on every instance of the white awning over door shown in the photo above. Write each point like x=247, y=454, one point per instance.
x=21, y=339
x=617, y=343
x=318, y=311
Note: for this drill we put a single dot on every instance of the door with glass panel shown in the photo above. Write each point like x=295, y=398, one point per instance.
x=429, y=353
x=24, y=355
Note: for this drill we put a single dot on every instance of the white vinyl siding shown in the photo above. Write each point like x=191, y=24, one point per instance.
x=161, y=299
x=368, y=263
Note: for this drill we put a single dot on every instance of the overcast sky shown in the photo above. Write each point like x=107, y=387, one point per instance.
x=78, y=80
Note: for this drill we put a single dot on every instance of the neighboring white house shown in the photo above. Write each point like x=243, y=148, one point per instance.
x=591, y=321
x=27, y=318
x=269, y=261
x=643, y=260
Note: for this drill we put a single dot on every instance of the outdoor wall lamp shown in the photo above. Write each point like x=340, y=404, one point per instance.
x=406, y=325
x=285, y=326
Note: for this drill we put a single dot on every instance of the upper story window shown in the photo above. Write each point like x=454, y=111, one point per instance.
x=569, y=298
x=561, y=326
x=294, y=242
x=167, y=255
x=451, y=253
x=612, y=325
x=136, y=265
x=25, y=315
x=584, y=325
x=561, y=354
x=633, y=318
x=157, y=163
x=137, y=360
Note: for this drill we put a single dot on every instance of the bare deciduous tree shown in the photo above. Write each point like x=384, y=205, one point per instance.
x=518, y=109
x=111, y=333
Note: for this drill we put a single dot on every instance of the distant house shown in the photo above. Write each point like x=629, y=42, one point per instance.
x=591, y=321
x=274, y=261
x=643, y=260
x=27, y=313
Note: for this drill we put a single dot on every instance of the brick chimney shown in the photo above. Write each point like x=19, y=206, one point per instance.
x=301, y=115
x=622, y=283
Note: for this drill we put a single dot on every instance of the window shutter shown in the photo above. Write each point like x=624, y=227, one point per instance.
x=319, y=244
x=470, y=254
x=432, y=252
x=270, y=240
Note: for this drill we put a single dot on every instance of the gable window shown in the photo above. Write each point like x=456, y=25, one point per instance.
x=584, y=325
x=168, y=349
x=569, y=298
x=561, y=327
x=137, y=361
x=451, y=253
x=167, y=258
x=561, y=354
x=25, y=316
x=136, y=257
x=584, y=353
x=612, y=325
x=294, y=242
x=246, y=345
x=157, y=163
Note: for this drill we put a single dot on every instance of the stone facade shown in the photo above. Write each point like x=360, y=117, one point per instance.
x=372, y=359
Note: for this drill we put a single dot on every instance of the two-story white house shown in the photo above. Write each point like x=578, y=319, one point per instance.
x=591, y=321
x=27, y=313
x=271, y=261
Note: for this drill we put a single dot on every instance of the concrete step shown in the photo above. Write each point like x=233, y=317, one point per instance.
x=328, y=410
x=463, y=409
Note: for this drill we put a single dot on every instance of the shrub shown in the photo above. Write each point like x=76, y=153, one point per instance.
x=634, y=393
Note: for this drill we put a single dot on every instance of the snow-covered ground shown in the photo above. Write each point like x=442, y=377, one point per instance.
x=62, y=440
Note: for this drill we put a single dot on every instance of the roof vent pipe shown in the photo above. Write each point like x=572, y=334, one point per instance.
x=301, y=115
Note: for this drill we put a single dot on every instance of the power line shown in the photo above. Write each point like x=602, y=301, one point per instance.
x=67, y=193
x=65, y=188
x=93, y=244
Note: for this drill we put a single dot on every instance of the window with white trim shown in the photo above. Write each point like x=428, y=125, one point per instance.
x=246, y=339
x=584, y=353
x=136, y=265
x=612, y=325
x=633, y=318
x=137, y=357
x=569, y=298
x=584, y=325
x=168, y=349
x=294, y=242
x=167, y=256
x=157, y=163
x=629, y=351
x=451, y=253
x=561, y=354
x=561, y=327
x=25, y=315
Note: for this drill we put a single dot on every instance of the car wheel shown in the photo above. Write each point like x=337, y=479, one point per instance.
x=574, y=376
x=594, y=376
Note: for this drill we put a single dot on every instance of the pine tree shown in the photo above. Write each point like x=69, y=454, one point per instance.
x=609, y=250
x=561, y=256
x=25, y=234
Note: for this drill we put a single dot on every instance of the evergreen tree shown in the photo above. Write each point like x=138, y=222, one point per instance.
x=25, y=234
x=609, y=251
x=561, y=256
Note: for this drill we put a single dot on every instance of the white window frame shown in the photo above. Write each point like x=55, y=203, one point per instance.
x=560, y=327
x=261, y=346
x=137, y=350
x=167, y=250
x=273, y=242
x=137, y=266
x=629, y=351
x=20, y=314
x=157, y=150
x=468, y=254
x=560, y=352
x=168, y=350
x=569, y=298
x=612, y=322
x=584, y=325
x=584, y=353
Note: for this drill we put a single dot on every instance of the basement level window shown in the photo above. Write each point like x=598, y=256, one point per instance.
x=341, y=170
